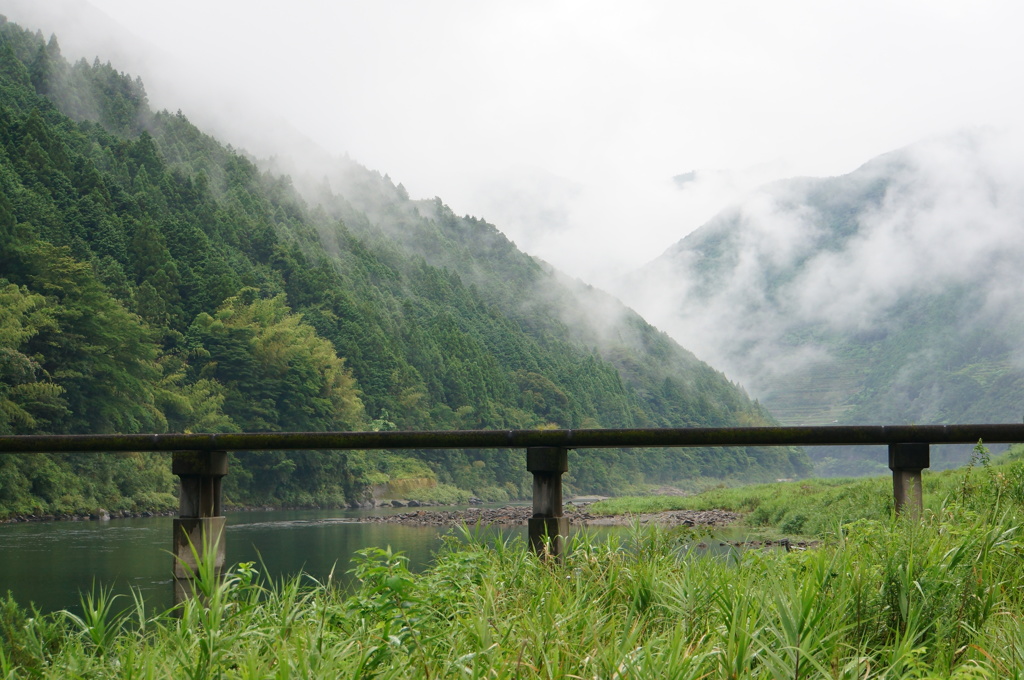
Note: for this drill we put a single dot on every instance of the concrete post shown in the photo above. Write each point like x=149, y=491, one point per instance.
x=547, y=463
x=200, y=522
x=906, y=462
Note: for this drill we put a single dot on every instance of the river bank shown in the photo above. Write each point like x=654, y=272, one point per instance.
x=623, y=603
x=578, y=515
x=100, y=515
x=510, y=515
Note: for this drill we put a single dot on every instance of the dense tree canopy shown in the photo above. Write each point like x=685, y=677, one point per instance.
x=152, y=279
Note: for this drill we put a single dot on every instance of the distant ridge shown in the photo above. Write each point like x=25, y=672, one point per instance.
x=888, y=295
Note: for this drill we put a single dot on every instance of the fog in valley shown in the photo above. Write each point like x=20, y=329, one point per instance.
x=597, y=135
x=927, y=238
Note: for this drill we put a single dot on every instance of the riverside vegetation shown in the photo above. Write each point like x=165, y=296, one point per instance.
x=153, y=279
x=880, y=598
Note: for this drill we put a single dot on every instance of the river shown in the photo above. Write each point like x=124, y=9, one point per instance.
x=51, y=563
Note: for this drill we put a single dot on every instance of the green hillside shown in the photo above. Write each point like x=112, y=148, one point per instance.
x=153, y=279
x=889, y=295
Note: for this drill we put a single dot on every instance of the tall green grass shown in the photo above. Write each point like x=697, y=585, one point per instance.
x=886, y=600
x=881, y=598
x=814, y=507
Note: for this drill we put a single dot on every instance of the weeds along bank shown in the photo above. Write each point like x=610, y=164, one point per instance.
x=880, y=599
x=818, y=507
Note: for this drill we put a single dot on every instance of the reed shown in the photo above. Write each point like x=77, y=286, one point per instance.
x=880, y=598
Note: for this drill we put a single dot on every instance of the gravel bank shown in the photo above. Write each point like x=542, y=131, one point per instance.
x=517, y=515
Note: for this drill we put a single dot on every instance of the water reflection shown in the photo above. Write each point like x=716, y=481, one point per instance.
x=50, y=564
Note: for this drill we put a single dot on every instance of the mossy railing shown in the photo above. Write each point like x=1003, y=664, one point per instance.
x=200, y=460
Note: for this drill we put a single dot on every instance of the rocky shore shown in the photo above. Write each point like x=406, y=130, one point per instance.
x=99, y=515
x=579, y=517
x=511, y=515
x=516, y=515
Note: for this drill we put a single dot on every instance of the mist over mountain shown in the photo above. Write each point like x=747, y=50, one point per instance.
x=154, y=279
x=888, y=295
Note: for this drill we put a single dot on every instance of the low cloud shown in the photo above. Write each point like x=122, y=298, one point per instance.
x=565, y=125
x=562, y=124
x=571, y=224
x=943, y=215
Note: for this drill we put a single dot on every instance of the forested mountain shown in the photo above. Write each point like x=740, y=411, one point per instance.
x=889, y=295
x=152, y=279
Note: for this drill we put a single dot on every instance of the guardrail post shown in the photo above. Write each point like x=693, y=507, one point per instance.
x=906, y=462
x=200, y=522
x=547, y=463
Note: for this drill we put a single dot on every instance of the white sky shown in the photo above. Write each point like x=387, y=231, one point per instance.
x=563, y=122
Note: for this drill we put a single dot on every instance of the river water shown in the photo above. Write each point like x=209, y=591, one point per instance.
x=51, y=563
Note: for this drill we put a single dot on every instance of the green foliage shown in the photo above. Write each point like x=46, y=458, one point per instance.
x=156, y=280
x=98, y=352
x=984, y=490
x=27, y=639
x=446, y=494
x=278, y=372
x=98, y=622
x=27, y=403
x=881, y=599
